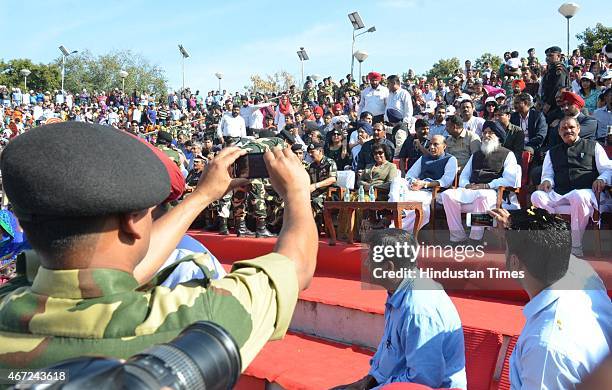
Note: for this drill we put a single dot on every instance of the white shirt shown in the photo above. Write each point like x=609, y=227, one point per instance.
x=59, y=98
x=475, y=125
x=429, y=95
x=374, y=100
x=511, y=177
x=136, y=115
x=230, y=126
x=447, y=179
x=575, y=86
x=562, y=341
x=400, y=100
x=602, y=162
x=252, y=115
x=37, y=112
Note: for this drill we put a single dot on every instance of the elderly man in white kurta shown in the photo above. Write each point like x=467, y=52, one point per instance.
x=436, y=169
x=489, y=168
x=572, y=172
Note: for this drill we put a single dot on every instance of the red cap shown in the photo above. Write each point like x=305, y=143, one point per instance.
x=374, y=76
x=520, y=83
x=572, y=98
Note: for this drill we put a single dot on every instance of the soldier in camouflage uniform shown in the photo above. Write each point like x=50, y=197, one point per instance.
x=323, y=172
x=255, y=194
x=351, y=87
x=295, y=98
x=309, y=94
x=164, y=141
x=91, y=288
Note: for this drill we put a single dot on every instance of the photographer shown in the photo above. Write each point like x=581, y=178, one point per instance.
x=98, y=246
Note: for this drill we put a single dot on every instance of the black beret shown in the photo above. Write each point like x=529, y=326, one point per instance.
x=287, y=136
x=553, y=49
x=164, y=136
x=74, y=169
x=314, y=146
x=296, y=147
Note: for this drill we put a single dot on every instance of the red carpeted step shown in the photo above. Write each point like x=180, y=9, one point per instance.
x=303, y=362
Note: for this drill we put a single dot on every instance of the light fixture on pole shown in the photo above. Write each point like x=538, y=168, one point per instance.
x=315, y=78
x=303, y=57
x=568, y=10
x=357, y=23
x=219, y=75
x=360, y=56
x=25, y=73
x=123, y=75
x=65, y=53
x=184, y=54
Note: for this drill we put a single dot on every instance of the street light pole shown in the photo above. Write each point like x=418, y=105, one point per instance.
x=25, y=73
x=65, y=53
x=357, y=23
x=303, y=57
x=568, y=10
x=184, y=54
x=123, y=75
x=361, y=56
x=219, y=75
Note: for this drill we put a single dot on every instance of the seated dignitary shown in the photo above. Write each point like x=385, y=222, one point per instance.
x=568, y=328
x=572, y=104
x=423, y=337
x=381, y=173
x=99, y=249
x=490, y=167
x=572, y=172
x=436, y=169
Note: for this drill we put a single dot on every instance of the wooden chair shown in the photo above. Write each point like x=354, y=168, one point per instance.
x=345, y=180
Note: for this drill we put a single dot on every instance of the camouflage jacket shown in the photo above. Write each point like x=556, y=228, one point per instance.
x=70, y=313
x=171, y=153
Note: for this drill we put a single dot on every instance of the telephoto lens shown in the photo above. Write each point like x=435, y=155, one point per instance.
x=203, y=356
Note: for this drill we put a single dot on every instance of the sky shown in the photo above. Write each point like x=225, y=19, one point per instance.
x=241, y=38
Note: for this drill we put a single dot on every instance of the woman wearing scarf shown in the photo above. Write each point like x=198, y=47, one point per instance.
x=283, y=109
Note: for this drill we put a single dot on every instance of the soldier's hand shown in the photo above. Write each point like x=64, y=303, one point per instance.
x=287, y=175
x=215, y=180
x=545, y=186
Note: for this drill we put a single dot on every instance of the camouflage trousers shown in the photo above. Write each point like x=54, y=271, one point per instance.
x=316, y=201
x=253, y=195
x=223, y=205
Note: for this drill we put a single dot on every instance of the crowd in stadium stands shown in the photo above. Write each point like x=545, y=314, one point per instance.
x=543, y=128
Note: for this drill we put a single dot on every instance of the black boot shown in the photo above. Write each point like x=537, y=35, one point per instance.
x=242, y=230
x=223, y=227
x=262, y=230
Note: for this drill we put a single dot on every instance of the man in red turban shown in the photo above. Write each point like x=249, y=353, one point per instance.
x=374, y=98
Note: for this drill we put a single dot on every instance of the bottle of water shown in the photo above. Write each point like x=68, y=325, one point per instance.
x=361, y=194
x=402, y=194
x=347, y=194
x=372, y=194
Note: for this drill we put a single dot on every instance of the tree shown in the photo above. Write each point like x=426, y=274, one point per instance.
x=593, y=39
x=494, y=60
x=444, y=68
x=278, y=82
x=101, y=73
x=42, y=77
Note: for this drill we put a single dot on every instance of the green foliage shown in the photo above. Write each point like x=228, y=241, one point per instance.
x=42, y=77
x=101, y=73
x=494, y=60
x=593, y=39
x=444, y=68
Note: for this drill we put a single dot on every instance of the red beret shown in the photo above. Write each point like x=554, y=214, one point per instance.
x=572, y=98
x=177, y=181
x=374, y=76
x=520, y=83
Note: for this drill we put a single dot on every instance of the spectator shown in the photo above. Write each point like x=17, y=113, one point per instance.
x=398, y=99
x=374, y=98
x=572, y=173
x=604, y=116
x=381, y=172
x=589, y=92
x=421, y=324
x=438, y=127
x=435, y=169
x=567, y=329
x=471, y=122
x=415, y=146
x=365, y=156
x=515, y=137
x=461, y=143
x=487, y=169
x=532, y=123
